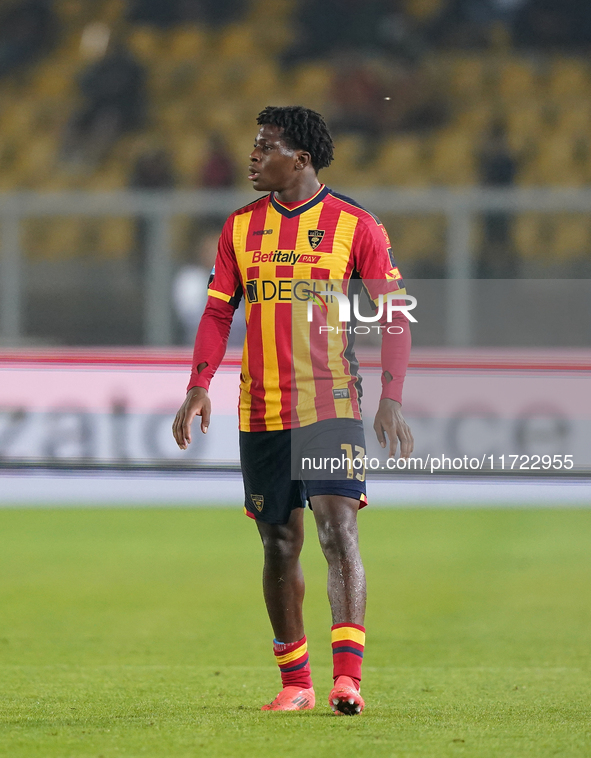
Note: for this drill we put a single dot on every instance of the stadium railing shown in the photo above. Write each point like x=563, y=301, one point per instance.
x=458, y=207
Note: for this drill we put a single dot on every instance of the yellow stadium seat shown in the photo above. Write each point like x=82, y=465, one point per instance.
x=575, y=120
x=112, y=177
x=189, y=152
x=401, y=162
x=112, y=11
x=18, y=119
x=571, y=237
x=188, y=44
x=569, y=79
x=423, y=10
x=70, y=11
x=55, y=79
x=213, y=80
x=116, y=237
x=225, y=114
x=146, y=43
x=174, y=116
x=467, y=77
x=453, y=159
x=311, y=85
x=525, y=124
x=36, y=161
x=557, y=162
x=418, y=237
x=238, y=41
x=261, y=81
x=63, y=239
x=475, y=118
x=263, y=9
x=517, y=80
x=530, y=235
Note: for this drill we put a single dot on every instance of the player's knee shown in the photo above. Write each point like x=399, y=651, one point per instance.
x=282, y=544
x=337, y=540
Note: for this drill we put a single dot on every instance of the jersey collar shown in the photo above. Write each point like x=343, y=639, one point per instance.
x=303, y=207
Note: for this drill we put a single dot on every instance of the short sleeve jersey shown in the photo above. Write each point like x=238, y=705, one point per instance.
x=290, y=378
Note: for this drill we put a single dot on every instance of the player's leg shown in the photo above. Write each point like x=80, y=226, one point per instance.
x=335, y=498
x=283, y=588
x=336, y=520
x=276, y=503
x=283, y=579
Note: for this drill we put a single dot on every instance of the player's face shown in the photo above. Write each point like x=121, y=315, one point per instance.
x=273, y=165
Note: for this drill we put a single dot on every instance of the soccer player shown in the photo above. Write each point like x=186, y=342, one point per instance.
x=298, y=392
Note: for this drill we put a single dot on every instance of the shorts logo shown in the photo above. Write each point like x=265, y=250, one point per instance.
x=315, y=237
x=258, y=501
x=252, y=291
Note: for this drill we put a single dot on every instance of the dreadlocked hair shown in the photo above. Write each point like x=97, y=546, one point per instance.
x=303, y=129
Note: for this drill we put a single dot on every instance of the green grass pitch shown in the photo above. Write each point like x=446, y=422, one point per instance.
x=142, y=632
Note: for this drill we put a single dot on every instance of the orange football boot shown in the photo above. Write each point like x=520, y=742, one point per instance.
x=345, y=698
x=292, y=699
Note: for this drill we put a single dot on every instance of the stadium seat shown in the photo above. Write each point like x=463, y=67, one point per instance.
x=466, y=77
x=418, y=237
x=401, y=162
x=36, y=162
x=525, y=123
x=238, y=41
x=572, y=236
x=557, y=161
x=311, y=84
x=530, y=235
x=146, y=43
x=185, y=44
x=517, y=79
x=574, y=120
x=188, y=152
x=111, y=12
x=452, y=159
x=55, y=78
x=474, y=119
x=424, y=10
x=60, y=238
x=18, y=118
x=116, y=237
x=569, y=79
x=261, y=82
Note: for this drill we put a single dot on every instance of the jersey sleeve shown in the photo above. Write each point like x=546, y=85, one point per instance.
x=225, y=281
x=374, y=261
x=224, y=294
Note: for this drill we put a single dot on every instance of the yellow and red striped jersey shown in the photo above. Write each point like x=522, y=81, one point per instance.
x=288, y=378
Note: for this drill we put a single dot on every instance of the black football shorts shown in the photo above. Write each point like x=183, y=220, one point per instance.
x=284, y=469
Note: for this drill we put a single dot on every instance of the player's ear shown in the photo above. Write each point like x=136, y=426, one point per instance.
x=303, y=159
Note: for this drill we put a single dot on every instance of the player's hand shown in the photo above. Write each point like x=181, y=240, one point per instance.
x=390, y=423
x=197, y=403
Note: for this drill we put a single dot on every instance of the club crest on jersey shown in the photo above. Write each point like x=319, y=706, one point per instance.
x=315, y=237
x=258, y=501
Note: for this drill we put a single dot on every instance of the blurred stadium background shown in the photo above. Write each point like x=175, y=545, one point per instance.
x=125, y=129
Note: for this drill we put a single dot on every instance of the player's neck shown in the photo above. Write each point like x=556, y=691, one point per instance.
x=306, y=188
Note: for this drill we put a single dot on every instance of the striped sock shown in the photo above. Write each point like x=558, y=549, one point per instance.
x=292, y=659
x=348, y=642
